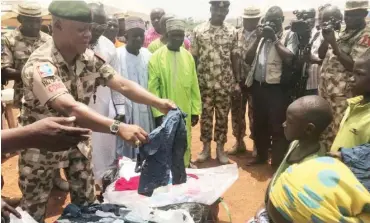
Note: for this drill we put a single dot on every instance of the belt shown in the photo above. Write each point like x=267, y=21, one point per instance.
x=264, y=84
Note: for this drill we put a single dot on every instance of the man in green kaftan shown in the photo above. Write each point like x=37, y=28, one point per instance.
x=172, y=75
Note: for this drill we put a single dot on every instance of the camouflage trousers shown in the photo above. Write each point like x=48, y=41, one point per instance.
x=36, y=173
x=238, y=110
x=214, y=102
x=336, y=92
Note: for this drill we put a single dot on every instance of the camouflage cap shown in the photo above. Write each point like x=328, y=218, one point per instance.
x=72, y=10
x=29, y=9
x=356, y=4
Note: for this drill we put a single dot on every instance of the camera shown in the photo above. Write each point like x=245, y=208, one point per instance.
x=333, y=23
x=301, y=25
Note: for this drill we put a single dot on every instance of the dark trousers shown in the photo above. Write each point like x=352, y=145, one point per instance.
x=270, y=103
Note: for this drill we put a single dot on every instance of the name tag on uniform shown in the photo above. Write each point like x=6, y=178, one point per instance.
x=45, y=70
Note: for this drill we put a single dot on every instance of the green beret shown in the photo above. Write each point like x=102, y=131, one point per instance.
x=71, y=10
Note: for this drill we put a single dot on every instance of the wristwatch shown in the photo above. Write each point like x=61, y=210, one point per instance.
x=114, y=127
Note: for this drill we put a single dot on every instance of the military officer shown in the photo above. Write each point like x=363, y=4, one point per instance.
x=213, y=45
x=18, y=45
x=336, y=79
x=246, y=37
x=59, y=79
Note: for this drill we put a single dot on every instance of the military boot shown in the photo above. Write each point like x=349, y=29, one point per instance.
x=61, y=184
x=239, y=147
x=205, y=154
x=221, y=155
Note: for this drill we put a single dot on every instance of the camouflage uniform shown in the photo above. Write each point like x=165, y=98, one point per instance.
x=336, y=83
x=47, y=76
x=15, y=53
x=213, y=47
x=239, y=102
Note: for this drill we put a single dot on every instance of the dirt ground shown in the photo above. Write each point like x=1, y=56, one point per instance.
x=243, y=198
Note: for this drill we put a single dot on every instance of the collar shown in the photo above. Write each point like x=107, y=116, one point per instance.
x=209, y=25
x=356, y=101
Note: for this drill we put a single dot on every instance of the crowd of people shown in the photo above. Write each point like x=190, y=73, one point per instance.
x=92, y=88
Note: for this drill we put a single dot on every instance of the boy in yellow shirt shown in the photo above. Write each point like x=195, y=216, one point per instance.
x=355, y=127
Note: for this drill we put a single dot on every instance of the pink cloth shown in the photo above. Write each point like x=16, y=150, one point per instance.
x=187, y=44
x=150, y=36
x=123, y=185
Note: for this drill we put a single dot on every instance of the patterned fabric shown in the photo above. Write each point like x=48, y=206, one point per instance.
x=150, y=36
x=213, y=47
x=35, y=180
x=16, y=49
x=47, y=76
x=239, y=102
x=329, y=192
x=238, y=112
x=216, y=102
x=355, y=127
x=336, y=83
x=245, y=40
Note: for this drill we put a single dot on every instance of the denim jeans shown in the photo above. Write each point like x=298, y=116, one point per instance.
x=164, y=154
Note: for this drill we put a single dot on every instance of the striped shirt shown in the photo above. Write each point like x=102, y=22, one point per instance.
x=314, y=69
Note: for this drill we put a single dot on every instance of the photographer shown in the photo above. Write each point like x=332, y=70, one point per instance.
x=273, y=48
x=303, y=77
x=336, y=80
x=312, y=57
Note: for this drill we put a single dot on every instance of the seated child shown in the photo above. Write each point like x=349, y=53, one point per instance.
x=355, y=127
x=307, y=118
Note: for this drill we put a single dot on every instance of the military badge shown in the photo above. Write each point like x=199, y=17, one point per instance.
x=45, y=70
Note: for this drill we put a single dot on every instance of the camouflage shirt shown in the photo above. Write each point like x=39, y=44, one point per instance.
x=46, y=76
x=245, y=41
x=213, y=46
x=354, y=44
x=15, y=53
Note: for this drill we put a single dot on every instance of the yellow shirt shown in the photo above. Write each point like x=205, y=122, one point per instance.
x=355, y=127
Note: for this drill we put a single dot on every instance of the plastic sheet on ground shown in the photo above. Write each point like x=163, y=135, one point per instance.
x=211, y=185
x=26, y=218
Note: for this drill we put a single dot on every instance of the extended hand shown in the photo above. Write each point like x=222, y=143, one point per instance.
x=57, y=134
x=194, y=120
x=259, y=32
x=133, y=134
x=165, y=106
x=6, y=210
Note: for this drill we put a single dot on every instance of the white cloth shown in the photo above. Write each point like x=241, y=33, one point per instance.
x=135, y=68
x=104, y=145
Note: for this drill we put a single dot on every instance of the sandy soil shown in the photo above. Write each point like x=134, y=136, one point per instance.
x=243, y=198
